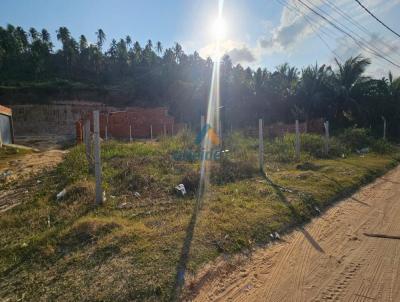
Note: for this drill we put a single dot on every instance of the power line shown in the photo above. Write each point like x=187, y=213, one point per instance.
x=376, y=18
x=298, y=11
x=351, y=20
x=347, y=34
x=365, y=44
x=348, y=17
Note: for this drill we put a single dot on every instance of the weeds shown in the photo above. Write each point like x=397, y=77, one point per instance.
x=59, y=250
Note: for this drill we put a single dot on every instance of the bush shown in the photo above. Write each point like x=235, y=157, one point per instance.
x=356, y=138
x=241, y=147
x=191, y=181
x=281, y=149
x=382, y=146
x=230, y=171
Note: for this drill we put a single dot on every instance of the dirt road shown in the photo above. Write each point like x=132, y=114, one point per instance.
x=328, y=260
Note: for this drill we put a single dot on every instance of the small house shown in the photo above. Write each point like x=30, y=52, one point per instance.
x=6, y=126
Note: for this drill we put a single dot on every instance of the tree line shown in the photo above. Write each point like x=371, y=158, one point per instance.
x=151, y=75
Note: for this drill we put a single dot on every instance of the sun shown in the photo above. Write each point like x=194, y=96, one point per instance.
x=219, y=28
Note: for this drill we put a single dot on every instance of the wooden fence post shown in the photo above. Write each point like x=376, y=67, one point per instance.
x=261, y=145
x=384, y=127
x=97, y=158
x=87, y=137
x=326, y=125
x=297, y=140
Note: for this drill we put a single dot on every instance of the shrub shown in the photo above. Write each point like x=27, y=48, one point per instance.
x=230, y=171
x=281, y=149
x=191, y=181
x=241, y=147
x=356, y=138
x=382, y=146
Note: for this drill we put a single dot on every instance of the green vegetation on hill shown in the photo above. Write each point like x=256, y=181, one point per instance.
x=124, y=72
x=130, y=248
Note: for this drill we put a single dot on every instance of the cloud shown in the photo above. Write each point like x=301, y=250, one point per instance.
x=241, y=55
x=294, y=28
x=346, y=48
x=238, y=52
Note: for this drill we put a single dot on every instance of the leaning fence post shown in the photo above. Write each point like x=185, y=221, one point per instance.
x=261, y=144
x=97, y=158
x=384, y=127
x=326, y=125
x=297, y=140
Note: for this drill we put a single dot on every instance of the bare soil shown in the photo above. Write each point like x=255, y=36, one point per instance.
x=330, y=259
x=20, y=175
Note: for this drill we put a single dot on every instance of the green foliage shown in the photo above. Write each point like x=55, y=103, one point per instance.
x=230, y=171
x=127, y=73
x=356, y=138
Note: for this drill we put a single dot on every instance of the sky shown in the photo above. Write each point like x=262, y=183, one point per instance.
x=259, y=33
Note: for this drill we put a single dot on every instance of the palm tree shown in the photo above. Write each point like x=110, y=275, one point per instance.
x=64, y=36
x=149, y=45
x=82, y=43
x=159, y=48
x=347, y=78
x=314, y=91
x=137, y=51
x=33, y=33
x=128, y=41
x=22, y=37
x=178, y=51
x=101, y=37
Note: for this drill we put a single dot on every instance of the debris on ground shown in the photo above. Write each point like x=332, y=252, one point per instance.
x=61, y=194
x=275, y=236
x=363, y=151
x=317, y=209
x=181, y=189
x=125, y=205
x=137, y=194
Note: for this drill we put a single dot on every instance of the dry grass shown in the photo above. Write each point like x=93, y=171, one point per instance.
x=129, y=248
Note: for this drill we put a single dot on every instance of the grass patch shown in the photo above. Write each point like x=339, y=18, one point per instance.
x=129, y=248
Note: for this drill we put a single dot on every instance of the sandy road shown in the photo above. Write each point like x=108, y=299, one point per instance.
x=328, y=260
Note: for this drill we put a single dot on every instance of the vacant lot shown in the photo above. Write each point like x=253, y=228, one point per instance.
x=133, y=247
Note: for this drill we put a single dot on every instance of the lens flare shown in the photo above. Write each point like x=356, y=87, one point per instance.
x=219, y=28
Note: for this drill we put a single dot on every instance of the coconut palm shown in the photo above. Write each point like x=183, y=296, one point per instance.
x=101, y=37
x=348, y=76
x=159, y=48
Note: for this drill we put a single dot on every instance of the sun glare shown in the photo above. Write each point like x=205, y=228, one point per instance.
x=219, y=28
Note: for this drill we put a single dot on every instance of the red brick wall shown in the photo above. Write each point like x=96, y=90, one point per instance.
x=140, y=119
